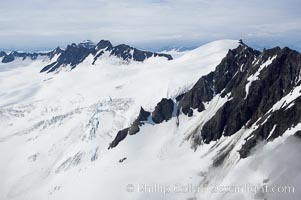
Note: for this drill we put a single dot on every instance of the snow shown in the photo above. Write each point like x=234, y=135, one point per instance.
x=255, y=77
x=54, y=125
x=272, y=131
x=56, y=129
x=241, y=67
x=175, y=53
x=287, y=100
x=248, y=175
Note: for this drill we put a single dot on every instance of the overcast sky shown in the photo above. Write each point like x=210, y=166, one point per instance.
x=42, y=24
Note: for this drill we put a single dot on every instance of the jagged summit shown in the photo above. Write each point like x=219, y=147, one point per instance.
x=104, y=44
x=2, y=54
x=10, y=57
x=87, y=44
x=72, y=55
x=15, y=54
x=255, y=83
x=75, y=54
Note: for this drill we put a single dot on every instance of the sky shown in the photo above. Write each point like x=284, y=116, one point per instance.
x=149, y=24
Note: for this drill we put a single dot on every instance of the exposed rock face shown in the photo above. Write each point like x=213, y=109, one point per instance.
x=127, y=53
x=119, y=137
x=2, y=54
x=104, y=44
x=256, y=85
x=213, y=83
x=133, y=129
x=163, y=111
x=101, y=47
x=56, y=51
x=142, y=117
x=75, y=54
x=256, y=81
x=277, y=123
x=6, y=58
x=201, y=92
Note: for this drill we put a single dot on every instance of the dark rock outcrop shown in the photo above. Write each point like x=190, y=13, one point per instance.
x=163, y=111
x=213, y=83
x=276, y=124
x=2, y=54
x=23, y=55
x=121, y=135
x=101, y=47
x=15, y=54
x=133, y=129
x=275, y=81
x=75, y=54
x=142, y=117
x=104, y=45
x=129, y=53
x=202, y=91
x=56, y=51
x=8, y=58
x=276, y=71
x=122, y=160
x=253, y=82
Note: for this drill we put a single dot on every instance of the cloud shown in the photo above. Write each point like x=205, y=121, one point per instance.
x=48, y=23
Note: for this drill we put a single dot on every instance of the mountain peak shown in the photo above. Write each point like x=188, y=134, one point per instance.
x=87, y=44
x=75, y=54
x=2, y=53
x=103, y=44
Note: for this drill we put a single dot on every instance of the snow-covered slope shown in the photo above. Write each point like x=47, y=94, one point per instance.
x=176, y=51
x=56, y=130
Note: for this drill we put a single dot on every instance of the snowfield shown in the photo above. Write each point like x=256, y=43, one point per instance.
x=55, y=130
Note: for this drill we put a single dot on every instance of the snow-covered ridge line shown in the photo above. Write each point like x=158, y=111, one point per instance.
x=217, y=83
x=15, y=55
x=56, y=128
x=74, y=54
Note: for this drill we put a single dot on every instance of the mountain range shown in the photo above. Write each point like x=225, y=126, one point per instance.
x=97, y=121
x=76, y=53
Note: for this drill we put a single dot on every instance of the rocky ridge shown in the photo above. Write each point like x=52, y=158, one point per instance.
x=264, y=92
